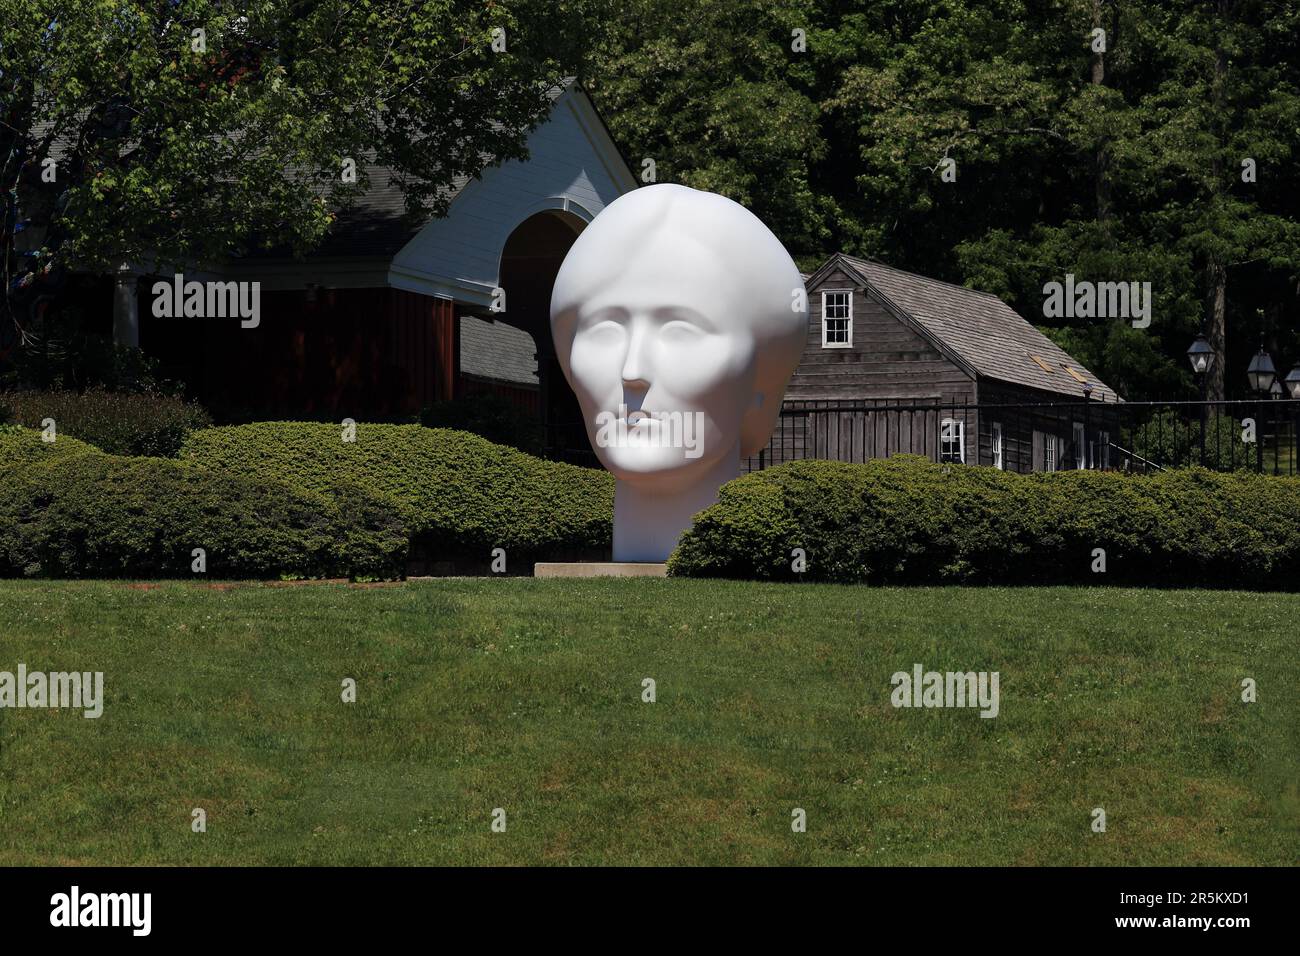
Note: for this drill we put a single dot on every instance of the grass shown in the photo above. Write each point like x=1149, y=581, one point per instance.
x=526, y=694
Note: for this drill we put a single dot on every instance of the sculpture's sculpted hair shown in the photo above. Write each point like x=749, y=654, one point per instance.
x=763, y=291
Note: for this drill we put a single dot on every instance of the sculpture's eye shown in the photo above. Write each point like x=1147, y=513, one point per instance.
x=603, y=321
x=680, y=331
x=603, y=332
x=679, y=320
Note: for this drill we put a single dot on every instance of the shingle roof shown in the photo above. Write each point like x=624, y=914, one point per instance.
x=376, y=224
x=982, y=330
x=495, y=350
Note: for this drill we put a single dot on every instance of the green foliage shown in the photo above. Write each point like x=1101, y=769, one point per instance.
x=1117, y=165
x=458, y=493
x=488, y=416
x=1122, y=166
x=753, y=138
x=749, y=534
x=909, y=521
x=191, y=147
x=118, y=423
x=20, y=445
x=97, y=516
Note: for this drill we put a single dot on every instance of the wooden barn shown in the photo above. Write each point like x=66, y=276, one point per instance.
x=899, y=363
x=386, y=318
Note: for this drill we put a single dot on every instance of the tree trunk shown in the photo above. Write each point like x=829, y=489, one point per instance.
x=1216, y=269
x=1101, y=153
x=16, y=117
x=1216, y=296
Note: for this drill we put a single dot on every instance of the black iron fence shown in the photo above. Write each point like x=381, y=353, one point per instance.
x=1051, y=436
x=567, y=441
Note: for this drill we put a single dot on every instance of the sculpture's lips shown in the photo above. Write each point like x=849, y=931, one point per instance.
x=639, y=417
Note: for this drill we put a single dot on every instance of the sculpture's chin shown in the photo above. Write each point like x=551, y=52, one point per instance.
x=658, y=469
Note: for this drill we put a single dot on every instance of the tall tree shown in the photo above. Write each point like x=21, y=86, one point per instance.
x=1222, y=127
x=1111, y=156
x=169, y=132
x=722, y=95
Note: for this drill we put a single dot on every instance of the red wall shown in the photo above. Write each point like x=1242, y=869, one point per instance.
x=358, y=353
x=528, y=400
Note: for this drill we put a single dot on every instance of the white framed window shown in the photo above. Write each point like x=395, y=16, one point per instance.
x=952, y=441
x=1103, y=451
x=1080, y=446
x=837, y=319
x=996, y=442
x=1051, y=451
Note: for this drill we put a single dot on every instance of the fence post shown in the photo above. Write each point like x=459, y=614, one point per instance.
x=1204, y=419
x=1087, y=429
x=1259, y=438
x=1277, y=439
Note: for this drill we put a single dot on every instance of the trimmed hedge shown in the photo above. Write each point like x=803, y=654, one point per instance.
x=20, y=445
x=119, y=423
x=910, y=521
x=458, y=493
x=96, y=516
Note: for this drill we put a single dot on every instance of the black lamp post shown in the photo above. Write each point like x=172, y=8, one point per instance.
x=1275, y=392
x=1201, y=355
x=1261, y=375
x=1292, y=383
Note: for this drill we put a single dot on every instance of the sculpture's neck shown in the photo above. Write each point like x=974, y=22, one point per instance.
x=647, y=523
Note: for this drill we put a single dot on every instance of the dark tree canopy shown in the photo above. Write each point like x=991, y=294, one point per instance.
x=184, y=131
x=995, y=143
x=1115, y=164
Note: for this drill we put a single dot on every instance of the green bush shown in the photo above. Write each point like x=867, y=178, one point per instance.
x=100, y=516
x=910, y=521
x=20, y=445
x=458, y=493
x=119, y=423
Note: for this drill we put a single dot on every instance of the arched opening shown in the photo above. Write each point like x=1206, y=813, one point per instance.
x=530, y=261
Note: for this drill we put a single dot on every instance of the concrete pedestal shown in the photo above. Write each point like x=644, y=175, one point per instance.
x=599, y=569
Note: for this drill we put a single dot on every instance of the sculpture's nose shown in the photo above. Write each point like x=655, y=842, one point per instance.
x=636, y=370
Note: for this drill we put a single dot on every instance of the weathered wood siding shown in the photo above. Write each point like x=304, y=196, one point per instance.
x=887, y=360
x=887, y=364
x=858, y=434
x=1024, y=429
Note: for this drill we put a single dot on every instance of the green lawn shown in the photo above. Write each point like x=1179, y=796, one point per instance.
x=526, y=695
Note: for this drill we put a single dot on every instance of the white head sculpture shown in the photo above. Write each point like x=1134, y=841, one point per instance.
x=678, y=319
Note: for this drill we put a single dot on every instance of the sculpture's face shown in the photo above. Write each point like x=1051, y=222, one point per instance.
x=662, y=365
x=678, y=318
